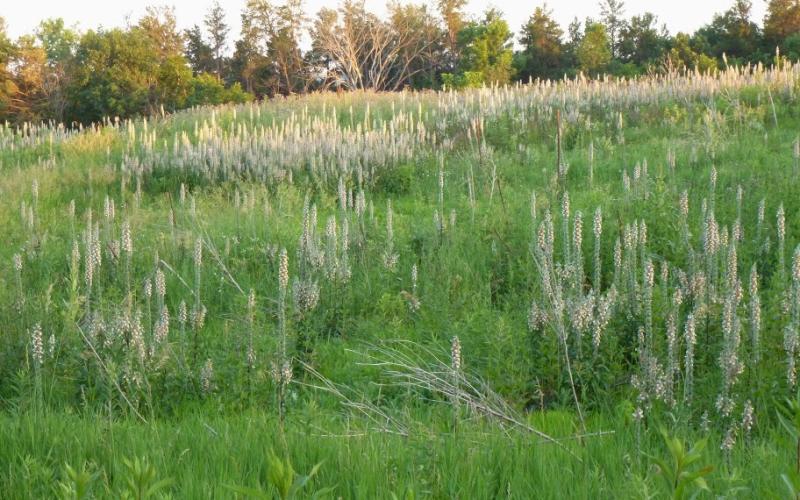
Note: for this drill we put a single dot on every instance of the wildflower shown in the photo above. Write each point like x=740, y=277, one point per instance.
x=748, y=418
x=283, y=271
x=183, y=314
x=730, y=440
x=37, y=345
x=684, y=203
x=207, y=377
x=198, y=252
x=577, y=234
x=161, y=285
x=597, y=225
x=455, y=353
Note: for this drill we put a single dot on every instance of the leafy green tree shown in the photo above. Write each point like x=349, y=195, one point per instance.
x=543, y=52
x=732, y=33
x=199, y=53
x=594, y=52
x=173, y=77
x=781, y=21
x=207, y=90
x=59, y=44
x=117, y=75
x=486, y=48
x=250, y=68
x=641, y=42
x=573, y=41
x=791, y=47
x=683, y=57
x=58, y=41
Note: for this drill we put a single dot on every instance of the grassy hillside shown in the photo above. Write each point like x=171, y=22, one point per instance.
x=505, y=292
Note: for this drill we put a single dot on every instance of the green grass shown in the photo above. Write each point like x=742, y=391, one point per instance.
x=94, y=404
x=203, y=452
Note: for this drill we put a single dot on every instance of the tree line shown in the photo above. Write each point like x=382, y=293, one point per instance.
x=151, y=66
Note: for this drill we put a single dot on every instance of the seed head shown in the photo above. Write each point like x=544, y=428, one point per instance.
x=198, y=252
x=597, y=226
x=796, y=265
x=126, y=239
x=207, y=377
x=37, y=345
x=684, y=203
x=283, y=270
x=455, y=353
x=183, y=314
x=161, y=285
x=748, y=418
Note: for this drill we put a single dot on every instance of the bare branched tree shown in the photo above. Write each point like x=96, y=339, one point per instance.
x=358, y=50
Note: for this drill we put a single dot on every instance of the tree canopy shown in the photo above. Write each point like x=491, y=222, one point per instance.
x=151, y=66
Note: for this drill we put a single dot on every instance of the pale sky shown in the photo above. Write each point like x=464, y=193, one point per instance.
x=22, y=16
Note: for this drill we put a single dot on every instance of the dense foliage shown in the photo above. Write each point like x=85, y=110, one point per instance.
x=152, y=67
x=583, y=279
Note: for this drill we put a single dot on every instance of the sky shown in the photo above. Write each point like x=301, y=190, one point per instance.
x=22, y=16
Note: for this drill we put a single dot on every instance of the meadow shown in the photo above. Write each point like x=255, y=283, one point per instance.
x=574, y=289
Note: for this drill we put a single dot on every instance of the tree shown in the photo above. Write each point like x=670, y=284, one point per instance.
x=160, y=25
x=542, y=53
x=207, y=90
x=28, y=63
x=486, y=49
x=612, y=13
x=58, y=41
x=732, y=33
x=271, y=36
x=594, y=52
x=250, y=67
x=59, y=44
x=171, y=85
x=422, y=54
x=641, y=42
x=682, y=57
x=117, y=75
x=198, y=52
x=218, y=30
x=574, y=38
x=782, y=19
x=354, y=49
x=453, y=17
x=7, y=87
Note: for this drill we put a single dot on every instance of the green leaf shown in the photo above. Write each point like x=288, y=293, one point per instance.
x=248, y=492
